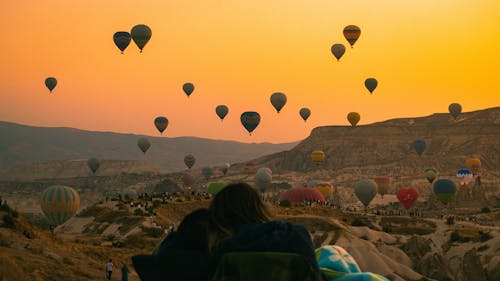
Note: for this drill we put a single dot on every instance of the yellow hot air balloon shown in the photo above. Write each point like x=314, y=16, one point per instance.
x=325, y=188
x=59, y=203
x=318, y=156
x=353, y=118
x=473, y=164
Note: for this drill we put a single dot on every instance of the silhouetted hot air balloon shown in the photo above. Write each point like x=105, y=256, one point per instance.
x=207, y=172
x=371, y=84
x=365, y=190
x=419, y=145
x=250, y=120
x=188, y=181
x=353, y=118
x=338, y=51
x=161, y=123
x=122, y=40
x=444, y=189
x=93, y=164
x=464, y=176
x=351, y=34
x=383, y=184
x=407, y=196
x=318, y=156
x=59, y=203
x=305, y=113
x=221, y=111
x=430, y=174
x=51, y=83
x=143, y=144
x=455, y=109
x=278, y=100
x=473, y=164
x=189, y=160
x=188, y=88
x=141, y=34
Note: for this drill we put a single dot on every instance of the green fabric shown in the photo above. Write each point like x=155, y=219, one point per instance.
x=264, y=266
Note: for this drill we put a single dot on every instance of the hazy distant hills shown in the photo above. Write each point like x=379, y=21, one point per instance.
x=384, y=148
x=20, y=145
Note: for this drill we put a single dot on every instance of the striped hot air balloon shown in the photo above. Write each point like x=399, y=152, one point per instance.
x=59, y=203
x=351, y=34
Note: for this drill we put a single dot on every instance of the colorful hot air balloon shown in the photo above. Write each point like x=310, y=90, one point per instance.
x=122, y=40
x=371, y=84
x=141, y=34
x=353, y=118
x=207, y=172
x=93, y=164
x=464, y=176
x=188, y=88
x=351, y=34
x=301, y=194
x=430, y=174
x=473, y=164
x=383, y=184
x=326, y=188
x=188, y=181
x=215, y=187
x=250, y=120
x=305, y=113
x=455, y=109
x=407, y=196
x=419, y=145
x=161, y=123
x=338, y=51
x=143, y=144
x=221, y=111
x=51, y=83
x=59, y=203
x=189, y=160
x=278, y=100
x=444, y=189
x=318, y=156
x=365, y=190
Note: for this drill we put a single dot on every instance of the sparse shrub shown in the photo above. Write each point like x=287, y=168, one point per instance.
x=386, y=229
x=117, y=244
x=156, y=204
x=358, y=222
x=67, y=261
x=178, y=200
x=8, y=221
x=153, y=231
x=485, y=210
x=110, y=237
x=483, y=248
x=484, y=236
x=4, y=208
x=14, y=213
x=285, y=203
x=450, y=221
x=139, y=212
x=454, y=237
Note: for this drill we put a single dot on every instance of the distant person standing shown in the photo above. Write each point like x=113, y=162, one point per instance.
x=125, y=273
x=109, y=269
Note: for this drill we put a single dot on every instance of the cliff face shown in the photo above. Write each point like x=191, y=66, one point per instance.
x=385, y=147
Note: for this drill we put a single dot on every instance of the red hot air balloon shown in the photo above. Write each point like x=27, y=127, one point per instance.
x=407, y=196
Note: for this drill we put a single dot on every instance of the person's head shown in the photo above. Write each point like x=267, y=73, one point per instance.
x=236, y=205
x=193, y=230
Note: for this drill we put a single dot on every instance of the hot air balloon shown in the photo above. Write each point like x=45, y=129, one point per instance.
x=143, y=144
x=188, y=181
x=278, y=100
x=353, y=118
x=430, y=174
x=371, y=84
x=141, y=34
x=444, y=189
x=383, y=184
x=221, y=111
x=51, y=83
x=93, y=164
x=351, y=34
x=161, y=123
x=419, y=145
x=325, y=188
x=207, y=172
x=225, y=168
x=365, y=190
x=455, y=109
x=250, y=120
x=188, y=88
x=464, y=176
x=305, y=113
x=263, y=178
x=128, y=193
x=473, y=164
x=318, y=156
x=122, y=40
x=59, y=203
x=338, y=51
x=407, y=196
x=189, y=160
x=215, y=187
x=301, y=194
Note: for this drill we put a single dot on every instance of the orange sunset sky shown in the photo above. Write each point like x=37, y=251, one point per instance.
x=425, y=54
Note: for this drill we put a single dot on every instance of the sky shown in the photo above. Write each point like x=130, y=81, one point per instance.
x=425, y=54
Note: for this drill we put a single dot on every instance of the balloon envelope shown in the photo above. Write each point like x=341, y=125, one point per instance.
x=407, y=196
x=301, y=194
x=207, y=172
x=59, y=203
x=430, y=174
x=93, y=164
x=444, y=190
x=250, y=120
x=143, y=144
x=189, y=160
x=278, y=100
x=318, y=156
x=338, y=51
x=365, y=190
x=464, y=176
x=473, y=164
x=51, y=83
x=371, y=84
x=122, y=40
x=353, y=118
x=263, y=178
x=141, y=34
x=455, y=109
x=383, y=184
x=128, y=193
x=161, y=123
x=419, y=145
x=188, y=181
x=305, y=113
x=351, y=34
x=215, y=187
x=221, y=111
x=188, y=88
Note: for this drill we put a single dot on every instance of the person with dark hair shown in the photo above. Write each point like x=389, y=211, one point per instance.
x=109, y=269
x=242, y=223
x=182, y=255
